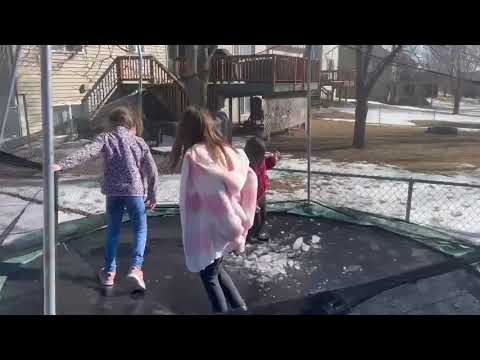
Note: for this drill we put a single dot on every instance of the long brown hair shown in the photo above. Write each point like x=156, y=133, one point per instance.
x=121, y=116
x=197, y=126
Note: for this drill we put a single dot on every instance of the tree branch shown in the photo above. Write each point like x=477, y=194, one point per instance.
x=380, y=68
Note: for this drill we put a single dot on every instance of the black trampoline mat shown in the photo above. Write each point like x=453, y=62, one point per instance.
x=347, y=255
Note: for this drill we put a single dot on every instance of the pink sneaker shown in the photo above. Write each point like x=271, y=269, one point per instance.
x=135, y=277
x=106, y=278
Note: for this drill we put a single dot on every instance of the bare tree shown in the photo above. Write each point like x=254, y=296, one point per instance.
x=367, y=75
x=455, y=61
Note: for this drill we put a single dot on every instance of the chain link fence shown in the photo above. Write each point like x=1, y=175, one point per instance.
x=446, y=205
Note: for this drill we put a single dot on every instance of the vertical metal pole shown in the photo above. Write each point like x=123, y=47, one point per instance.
x=409, y=200
x=27, y=125
x=309, y=127
x=140, y=83
x=431, y=99
x=48, y=185
x=10, y=91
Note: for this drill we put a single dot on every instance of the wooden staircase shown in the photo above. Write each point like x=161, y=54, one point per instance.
x=124, y=72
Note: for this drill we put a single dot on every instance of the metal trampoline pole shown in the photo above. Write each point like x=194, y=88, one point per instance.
x=309, y=134
x=140, y=83
x=48, y=185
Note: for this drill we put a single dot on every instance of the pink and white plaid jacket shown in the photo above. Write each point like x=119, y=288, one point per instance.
x=217, y=205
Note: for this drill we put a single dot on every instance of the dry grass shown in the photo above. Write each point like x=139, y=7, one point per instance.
x=405, y=146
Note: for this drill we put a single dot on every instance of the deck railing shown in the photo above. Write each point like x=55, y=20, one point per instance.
x=271, y=68
x=125, y=69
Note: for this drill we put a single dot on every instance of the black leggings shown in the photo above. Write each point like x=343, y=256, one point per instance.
x=220, y=288
x=259, y=220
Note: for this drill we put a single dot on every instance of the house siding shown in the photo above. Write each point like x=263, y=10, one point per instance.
x=70, y=70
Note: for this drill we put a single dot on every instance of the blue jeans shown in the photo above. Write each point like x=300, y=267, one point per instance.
x=138, y=217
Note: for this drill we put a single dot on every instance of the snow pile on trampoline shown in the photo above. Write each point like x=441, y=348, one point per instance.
x=269, y=261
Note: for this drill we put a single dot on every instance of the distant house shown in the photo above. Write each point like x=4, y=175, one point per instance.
x=470, y=89
x=347, y=62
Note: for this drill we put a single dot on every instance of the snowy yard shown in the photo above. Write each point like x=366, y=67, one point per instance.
x=385, y=114
x=444, y=206
x=455, y=208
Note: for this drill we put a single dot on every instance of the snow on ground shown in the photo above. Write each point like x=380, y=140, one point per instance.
x=30, y=220
x=379, y=113
x=444, y=206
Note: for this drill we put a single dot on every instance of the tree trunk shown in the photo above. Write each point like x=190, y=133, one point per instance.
x=361, y=111
x=458, y=95
x=197, y=73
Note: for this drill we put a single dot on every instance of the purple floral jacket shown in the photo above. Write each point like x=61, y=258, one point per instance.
x=128, y=163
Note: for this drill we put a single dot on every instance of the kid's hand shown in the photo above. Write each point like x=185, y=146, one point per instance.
x=277, y=155
x=149, y=204
x=56, y=168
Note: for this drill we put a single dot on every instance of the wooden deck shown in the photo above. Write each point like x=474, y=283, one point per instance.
x=230, y=76
x=274, y=69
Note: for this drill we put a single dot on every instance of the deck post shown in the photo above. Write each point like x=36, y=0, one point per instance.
x=140, y=84
x=239, y=115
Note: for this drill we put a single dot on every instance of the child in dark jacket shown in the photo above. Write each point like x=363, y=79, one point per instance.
x=260, y=162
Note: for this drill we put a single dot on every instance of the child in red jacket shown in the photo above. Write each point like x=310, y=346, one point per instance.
x=260, y=162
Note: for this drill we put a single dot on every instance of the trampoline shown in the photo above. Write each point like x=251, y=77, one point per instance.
x=320, y=260
x=345, y=263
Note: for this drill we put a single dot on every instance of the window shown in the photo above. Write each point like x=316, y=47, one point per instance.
x=67, y=48
x=134, y=48
x=244, y=105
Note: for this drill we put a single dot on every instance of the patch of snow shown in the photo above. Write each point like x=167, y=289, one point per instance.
x=297, y=244
x=315, y=239
x=305, y=247
x=380, y=113
x=351, y=269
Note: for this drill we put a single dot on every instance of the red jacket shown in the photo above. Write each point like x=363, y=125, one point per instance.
x=261, y=171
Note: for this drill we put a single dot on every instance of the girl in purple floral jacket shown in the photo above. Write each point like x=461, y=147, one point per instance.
x=130, y=175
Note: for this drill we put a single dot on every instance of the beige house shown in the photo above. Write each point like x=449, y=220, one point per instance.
x=78, y=68
x=75, y=68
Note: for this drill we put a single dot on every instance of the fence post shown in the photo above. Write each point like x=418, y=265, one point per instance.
x=274, y=74
x=409, y=199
